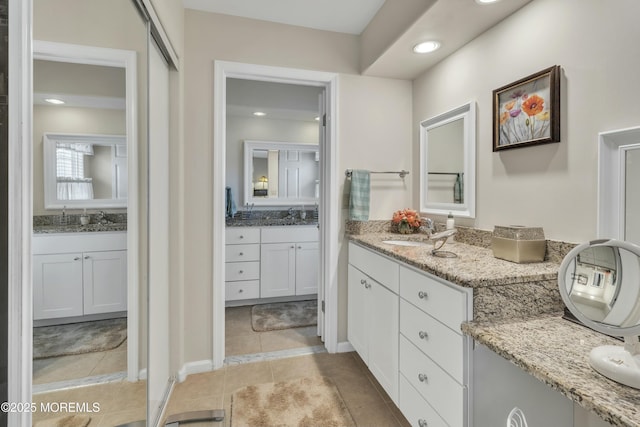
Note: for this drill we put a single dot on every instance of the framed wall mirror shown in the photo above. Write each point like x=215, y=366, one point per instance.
x=281, y=173
x=85, y=171
x=447, y=162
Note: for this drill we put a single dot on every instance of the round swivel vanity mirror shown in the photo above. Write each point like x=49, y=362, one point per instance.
x=599, y=283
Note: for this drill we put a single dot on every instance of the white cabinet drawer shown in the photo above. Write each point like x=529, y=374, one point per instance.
x=378, y=267
x=244, y=289
x=290, y=233
x=242, y=235
x=238, y=253
x=442, y=302
x=442, y=392
x=415, y=409
x=242, y=271
x=437, y=341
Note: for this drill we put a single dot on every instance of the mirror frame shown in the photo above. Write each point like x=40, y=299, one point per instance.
x=49, y=148
x=249, y=146
x=568, y=260
x=467, y=113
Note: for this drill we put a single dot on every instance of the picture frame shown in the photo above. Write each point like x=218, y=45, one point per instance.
x=527, y=112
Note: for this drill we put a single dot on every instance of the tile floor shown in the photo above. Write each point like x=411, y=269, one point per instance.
x=240, y=338
x=368, y=404
x=122, y=402
x=63, y=368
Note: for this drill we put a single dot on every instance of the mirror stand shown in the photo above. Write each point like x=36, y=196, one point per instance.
x=619, y=363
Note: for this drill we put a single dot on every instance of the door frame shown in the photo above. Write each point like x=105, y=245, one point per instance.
x=66, y=52
x=329, y=228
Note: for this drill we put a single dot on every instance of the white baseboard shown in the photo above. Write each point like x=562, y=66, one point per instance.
x=142, y=375
x=194, y=368
x=344, y=347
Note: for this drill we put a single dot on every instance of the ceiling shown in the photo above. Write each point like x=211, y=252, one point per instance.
x=453, y=23
x=343, y=16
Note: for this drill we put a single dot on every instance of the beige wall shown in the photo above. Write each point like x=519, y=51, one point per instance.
x=374, y=122
x=554, y=185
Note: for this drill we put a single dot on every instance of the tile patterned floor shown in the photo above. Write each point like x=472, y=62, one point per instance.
x=62, y=368
x=241, y=339
x=122, y=402
x=369, y=405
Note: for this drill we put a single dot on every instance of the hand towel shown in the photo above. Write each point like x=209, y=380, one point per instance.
x=359, y=195
x=230, y=204
x=458, y=189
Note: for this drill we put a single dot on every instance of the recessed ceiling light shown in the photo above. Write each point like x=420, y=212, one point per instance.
x=486, y=1
x=259, y=113
x=54, y=101
x=426, y=47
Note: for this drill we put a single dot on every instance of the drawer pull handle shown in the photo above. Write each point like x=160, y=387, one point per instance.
x=87, y=257
x=423, y=378
x=293, y=247
x=422, y=295
x=241, y=236
x=363, y=281
x=299, y=247
x=241, y=253
x=422, y=423
x=241, y=271
x=423, y=335
x=240, y=291
x=367, y=286
x=77, y=258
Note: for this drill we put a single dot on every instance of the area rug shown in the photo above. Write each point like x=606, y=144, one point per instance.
x=284, y=315
x=305, y=402
x=68, y=421
x=78, y=338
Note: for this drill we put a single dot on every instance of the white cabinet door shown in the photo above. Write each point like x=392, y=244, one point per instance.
x=105, y=281
x=277, y=270
x=499, y=386
x=383, y=328
x=307, y=261
x=57, y=285
x=358, y=312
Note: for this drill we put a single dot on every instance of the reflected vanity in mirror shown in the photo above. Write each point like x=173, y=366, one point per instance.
x=85, y=171
x=281, y=173
x=599, y=283
x=447, y=162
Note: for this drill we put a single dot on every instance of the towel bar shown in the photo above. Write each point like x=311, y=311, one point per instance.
x=401, y=173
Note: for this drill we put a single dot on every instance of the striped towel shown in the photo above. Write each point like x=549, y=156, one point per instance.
x=359, y=195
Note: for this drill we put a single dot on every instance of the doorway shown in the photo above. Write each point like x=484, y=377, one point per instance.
x=328, y=209
x=273, y=136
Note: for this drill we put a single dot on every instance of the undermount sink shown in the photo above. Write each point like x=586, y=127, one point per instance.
x=404, y=243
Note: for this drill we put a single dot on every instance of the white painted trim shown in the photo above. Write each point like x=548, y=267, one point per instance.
x=20, y=322
x=345, y=347
x=194, y=368
x=329, y=204
x=80, y=54
x=610, y=214
x=171, y=382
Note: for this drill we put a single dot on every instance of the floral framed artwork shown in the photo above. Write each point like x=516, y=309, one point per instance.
x=527, y=112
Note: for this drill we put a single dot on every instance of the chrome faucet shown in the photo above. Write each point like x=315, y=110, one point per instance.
x=102, y=218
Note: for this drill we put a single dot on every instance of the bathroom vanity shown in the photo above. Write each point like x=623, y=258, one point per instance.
x=79, y=274
x=270, y=262
x=475, y=337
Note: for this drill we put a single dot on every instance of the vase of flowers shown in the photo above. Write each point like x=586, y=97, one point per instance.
x=406, y=220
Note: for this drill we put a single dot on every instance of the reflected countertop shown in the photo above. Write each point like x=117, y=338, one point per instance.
x=77, y=228
x=268, y=222
x=474, y=267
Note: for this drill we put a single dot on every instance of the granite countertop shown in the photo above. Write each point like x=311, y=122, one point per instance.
x=556, y=352
x=77, y=228
x=475, y=266
x=268, y=222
